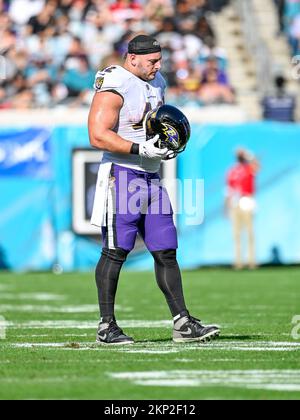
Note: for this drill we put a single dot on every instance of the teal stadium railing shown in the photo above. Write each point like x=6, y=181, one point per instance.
x=36, y=191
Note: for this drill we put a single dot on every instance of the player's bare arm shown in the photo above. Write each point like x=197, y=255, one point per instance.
x=103, y=118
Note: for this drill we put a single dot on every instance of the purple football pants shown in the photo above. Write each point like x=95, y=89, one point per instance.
x=137, y=203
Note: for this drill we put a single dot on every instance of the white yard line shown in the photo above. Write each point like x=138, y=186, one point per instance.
x=91, y=325
x=40, y=297
x=62, y=324
x=251, y=346
x=55, y=309
x=49, y=309
x=147, y=347
x=161, y=351
x=272, y=380
x=169, y=347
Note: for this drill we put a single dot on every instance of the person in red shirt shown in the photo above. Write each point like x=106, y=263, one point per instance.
x=123, y=10
x=240, y=204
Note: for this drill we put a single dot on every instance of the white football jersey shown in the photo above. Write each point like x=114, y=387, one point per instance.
x=139, y=97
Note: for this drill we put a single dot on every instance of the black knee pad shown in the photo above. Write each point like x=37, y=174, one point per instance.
x=167, y=258
x=118, y=254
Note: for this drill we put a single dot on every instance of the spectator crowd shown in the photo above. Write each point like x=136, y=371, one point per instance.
x=281, y=105
x=52, y=49
x=289, y=20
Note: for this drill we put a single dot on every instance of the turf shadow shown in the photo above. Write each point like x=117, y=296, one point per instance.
x=165, y=340
x=239, y=337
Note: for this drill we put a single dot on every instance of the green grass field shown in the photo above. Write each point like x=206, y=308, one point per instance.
x=49, y=351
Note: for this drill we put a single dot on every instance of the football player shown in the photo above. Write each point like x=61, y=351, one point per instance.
x=126, y=114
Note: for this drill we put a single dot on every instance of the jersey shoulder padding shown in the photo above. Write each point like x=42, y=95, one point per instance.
x=113, y=78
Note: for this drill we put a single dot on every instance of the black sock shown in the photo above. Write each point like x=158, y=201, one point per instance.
x=107, y=278
x=169, y=280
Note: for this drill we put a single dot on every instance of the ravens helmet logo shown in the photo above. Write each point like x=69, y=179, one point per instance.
x=171, y=134
x=171, y=125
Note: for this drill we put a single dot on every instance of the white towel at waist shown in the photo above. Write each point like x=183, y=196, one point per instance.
x=99, y=208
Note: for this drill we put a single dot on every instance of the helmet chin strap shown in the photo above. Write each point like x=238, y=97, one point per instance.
x=171, y=156
x=174, y=153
